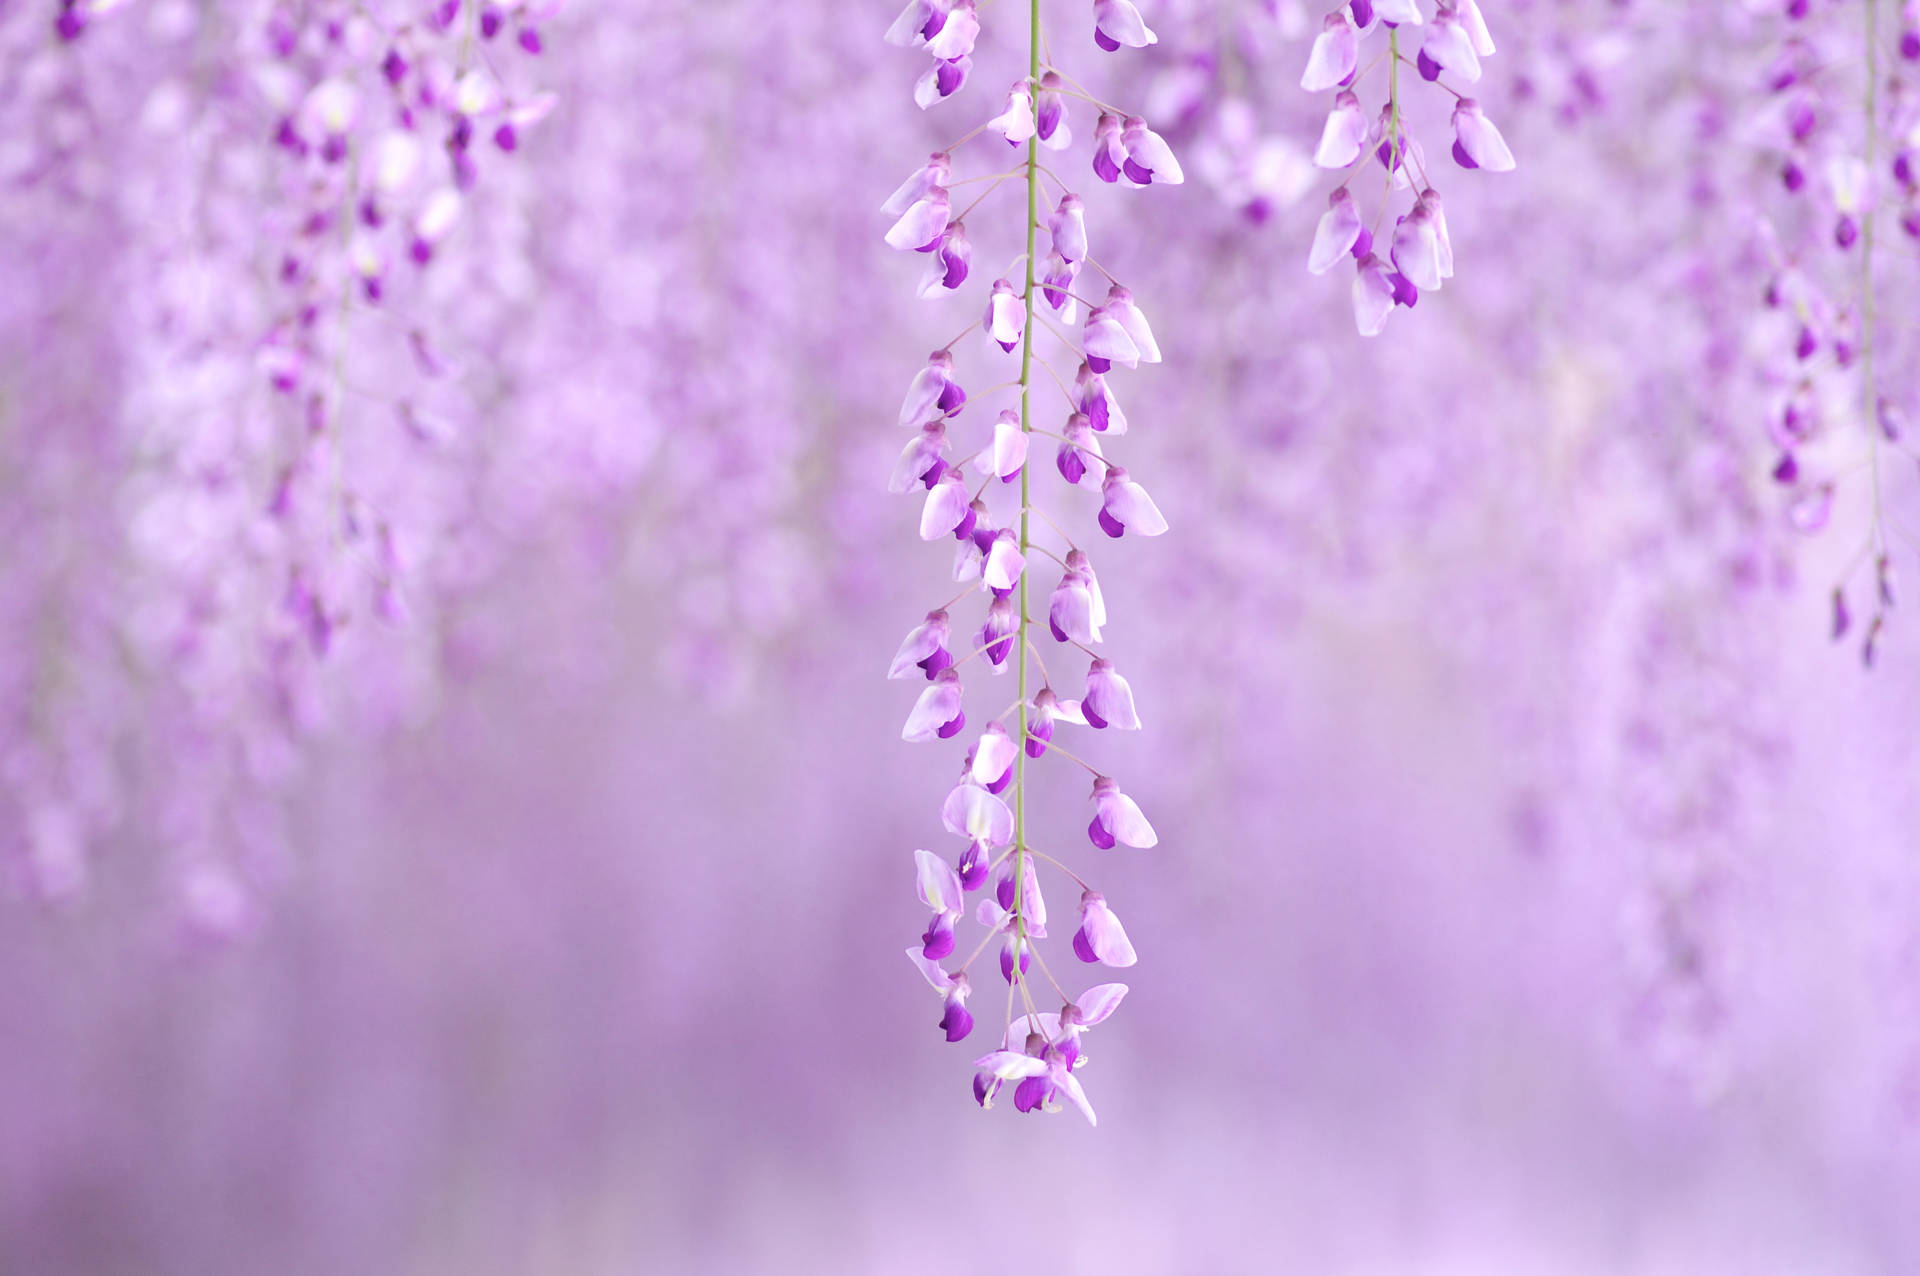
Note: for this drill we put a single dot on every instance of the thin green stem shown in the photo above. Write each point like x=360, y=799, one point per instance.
x=1026, y=471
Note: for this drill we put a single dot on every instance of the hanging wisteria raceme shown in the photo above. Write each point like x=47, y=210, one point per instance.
x=1843, y=136
x=1000, y=547
x=1419, y=256
x=287, y=457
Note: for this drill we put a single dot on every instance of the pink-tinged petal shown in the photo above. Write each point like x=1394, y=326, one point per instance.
x=973, y=867
x=1335, y=54
x=1040, y=726
x=1096, y=1004
x=1056, y=283
x=1081, y=446
x=1339, y=230
x=1101, y=937
x=940, y=81
x=1004, y=562
x=1430, y=200
x=947, y=264
x=1120, y=305
x=1476, y=137
x=1006, y=315
x=1069, y=711
x=955, y=1019
x=1009, y=446
x=1097, y=831
x=1126, y=503
x=1109, y=699
x=932, y=284
x=922, y=641
x=955, y=255
x=1128, y=825
x=935, y=973
x=933, y=174
x=1077, y=561
x=990, y=914
x=1068, y=227
x=1103, y=337
x=996, y=635
x=1372, y=296
x=1108, y=153
x=921, y=224
x=994, y=755
x=1008, y=1065
x=905, y=31
x=956, y=36
x=1344, y=134
x=1448, y=45
x=1476, y=25
x=920, y=455
x=1070, y=611
x=967, y=562
x=1069, y=1085
x=1008, y=948
x=1033, y=904
x=947, y=506
x=1097, y=399
x=1016, y=123
x=938, y=941
x=1122, y=24
x=938, y=705
x=922, y=404
x=972, y=812
x=1050, y=112
x=978, y=527
x=1399, y=12
x=1149, y=152
x=938, y=884
x=1416, y=250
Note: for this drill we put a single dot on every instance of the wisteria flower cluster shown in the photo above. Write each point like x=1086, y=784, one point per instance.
x=287, y=461
x=1843, y=135
x=987, y=808
x=1419, y=255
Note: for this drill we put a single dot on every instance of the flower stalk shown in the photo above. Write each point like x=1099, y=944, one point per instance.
x=990, y=807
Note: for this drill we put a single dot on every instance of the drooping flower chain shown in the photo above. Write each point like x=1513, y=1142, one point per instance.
x=351, y=136
x=1419, y=257
x=1040, y=1050
x=1825, y=144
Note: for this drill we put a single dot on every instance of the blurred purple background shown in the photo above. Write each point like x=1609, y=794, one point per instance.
x=1536, y=891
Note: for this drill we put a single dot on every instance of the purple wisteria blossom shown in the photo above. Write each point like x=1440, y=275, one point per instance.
x=1418, y=253
x=1034, y=308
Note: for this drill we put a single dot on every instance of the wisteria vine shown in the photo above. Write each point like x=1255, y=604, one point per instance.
x=1841, y=104
x=1040, y=1050
x=1420, y=253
